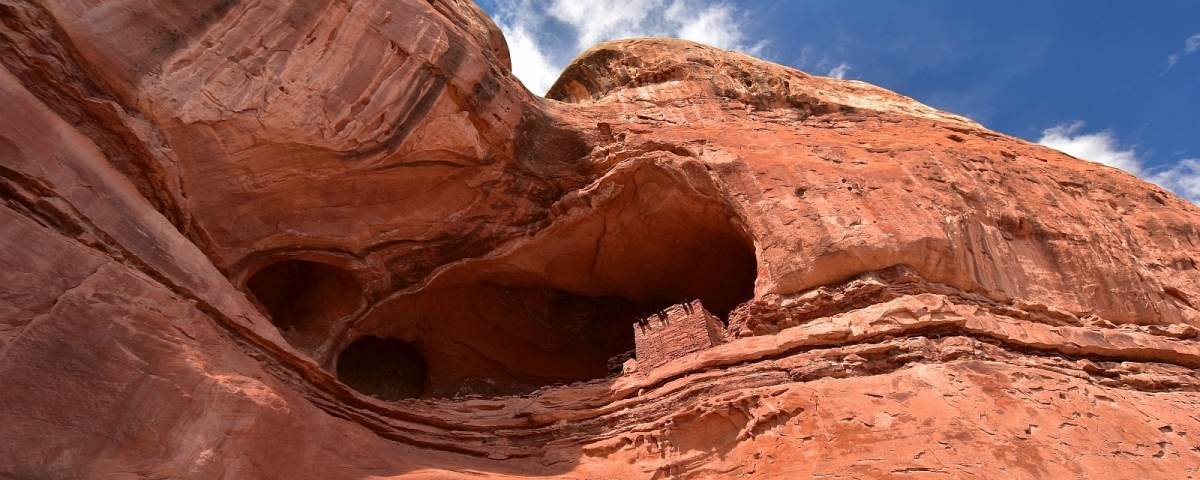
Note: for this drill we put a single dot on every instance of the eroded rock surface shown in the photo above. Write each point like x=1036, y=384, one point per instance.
x=320, y=239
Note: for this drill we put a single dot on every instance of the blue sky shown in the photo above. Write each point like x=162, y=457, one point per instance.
x=1116, y=82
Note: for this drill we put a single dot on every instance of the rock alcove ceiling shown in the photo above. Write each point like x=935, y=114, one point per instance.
x=557, y=308
x=324, y=239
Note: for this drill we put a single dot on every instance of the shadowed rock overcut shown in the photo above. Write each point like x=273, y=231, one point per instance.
x=304, y=299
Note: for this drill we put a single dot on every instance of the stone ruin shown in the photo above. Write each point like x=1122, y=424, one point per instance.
x=676, y=331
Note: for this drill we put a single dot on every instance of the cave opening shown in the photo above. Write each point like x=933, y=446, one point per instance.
x=304, y=299
x=710, y=263
x=502, y=334
x=385, y=368
x=561, y=306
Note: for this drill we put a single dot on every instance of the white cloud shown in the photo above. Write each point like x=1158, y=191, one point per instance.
x=544, y=35
x=1099, y=147
x=1192, y=44
x=1189, y=47
x=598, y=21
x=529, y=62
x=839, y=72
x=1182, y=178
x=719, y=25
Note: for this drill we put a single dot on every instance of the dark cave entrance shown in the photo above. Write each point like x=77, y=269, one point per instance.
x=304, y=299
x=711, y=264
x=385, y=368
x=553, y=310
x=494, y=334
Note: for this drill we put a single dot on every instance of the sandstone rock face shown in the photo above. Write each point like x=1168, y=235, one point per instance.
x=320, y=239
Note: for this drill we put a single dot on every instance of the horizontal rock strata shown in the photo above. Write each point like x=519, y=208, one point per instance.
x=319, y=239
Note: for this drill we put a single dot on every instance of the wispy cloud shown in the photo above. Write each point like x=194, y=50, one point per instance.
x=1182, y=178
x=544, y=35
x=1189, y=47
x=808, y=62
x=839, y=72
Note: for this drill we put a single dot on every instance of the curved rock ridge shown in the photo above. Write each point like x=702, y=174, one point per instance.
x=664, y=70
x=323, y=239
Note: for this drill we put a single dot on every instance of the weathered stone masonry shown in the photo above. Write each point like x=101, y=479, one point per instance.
x=674, y=332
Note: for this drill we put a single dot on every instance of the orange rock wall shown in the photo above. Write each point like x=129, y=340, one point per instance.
x=205, y=203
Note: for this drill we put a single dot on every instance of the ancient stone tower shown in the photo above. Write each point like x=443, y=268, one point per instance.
x=674, y=332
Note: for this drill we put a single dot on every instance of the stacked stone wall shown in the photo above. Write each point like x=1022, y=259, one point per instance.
x=677, y=331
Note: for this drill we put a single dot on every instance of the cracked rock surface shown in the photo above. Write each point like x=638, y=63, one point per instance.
x=326, y=239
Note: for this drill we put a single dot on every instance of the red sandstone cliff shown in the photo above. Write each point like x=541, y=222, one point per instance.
x=319, y=239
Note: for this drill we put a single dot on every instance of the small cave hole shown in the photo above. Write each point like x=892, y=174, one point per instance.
x=305, y=298
x=385, y=368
